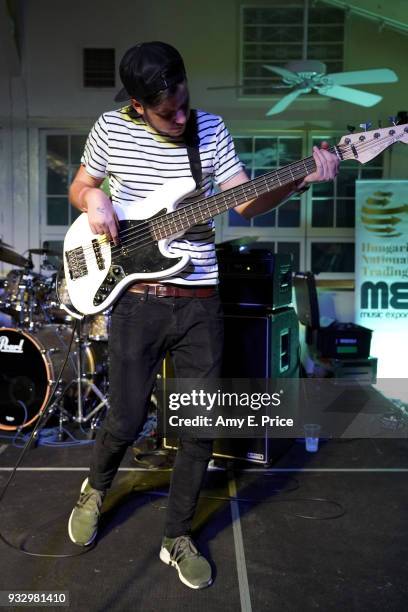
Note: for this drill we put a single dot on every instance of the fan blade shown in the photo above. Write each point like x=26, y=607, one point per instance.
x=284, y=102
x=361, y=77
x=283, y=72
x=354, y=96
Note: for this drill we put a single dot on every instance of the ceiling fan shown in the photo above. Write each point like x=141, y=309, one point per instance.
x=305, y=76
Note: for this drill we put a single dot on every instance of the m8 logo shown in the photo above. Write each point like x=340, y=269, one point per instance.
x=383, y=295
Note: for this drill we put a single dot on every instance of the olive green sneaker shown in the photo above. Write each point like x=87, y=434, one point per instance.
x=193, y=569
x=83, y=522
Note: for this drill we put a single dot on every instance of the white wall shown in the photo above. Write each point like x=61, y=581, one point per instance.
x=206, y=33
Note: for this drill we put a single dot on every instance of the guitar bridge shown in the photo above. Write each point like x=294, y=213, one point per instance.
x=76, y=263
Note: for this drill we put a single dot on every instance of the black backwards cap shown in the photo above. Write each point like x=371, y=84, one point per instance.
x=148, y=68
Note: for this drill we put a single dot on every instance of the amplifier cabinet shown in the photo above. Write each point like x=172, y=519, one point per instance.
x=257, y=344
x=260, y=343
x=256, y=278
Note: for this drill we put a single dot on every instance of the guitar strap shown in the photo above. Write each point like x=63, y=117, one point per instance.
x=192, y=142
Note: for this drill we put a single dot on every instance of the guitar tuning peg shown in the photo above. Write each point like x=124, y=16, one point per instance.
x=366, y=126
x=393, y=120
x=351, y=128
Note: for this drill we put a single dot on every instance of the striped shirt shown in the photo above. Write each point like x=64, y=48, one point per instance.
x=138, y=160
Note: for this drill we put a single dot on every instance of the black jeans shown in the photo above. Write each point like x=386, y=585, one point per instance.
x=143, y=329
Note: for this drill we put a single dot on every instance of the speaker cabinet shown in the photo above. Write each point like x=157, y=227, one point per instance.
x=255, y=277
x=257, y=344
x=261, y=344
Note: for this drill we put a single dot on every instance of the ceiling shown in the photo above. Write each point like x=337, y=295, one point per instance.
x=391, y=14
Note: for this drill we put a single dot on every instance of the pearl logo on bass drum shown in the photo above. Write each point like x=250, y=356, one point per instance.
x=6, y=347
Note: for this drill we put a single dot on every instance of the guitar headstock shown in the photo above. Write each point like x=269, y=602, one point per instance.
x=364, y=146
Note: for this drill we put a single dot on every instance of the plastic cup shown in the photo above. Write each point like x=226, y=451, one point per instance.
x=312, y=431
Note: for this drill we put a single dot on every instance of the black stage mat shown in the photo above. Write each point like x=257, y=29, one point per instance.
x=356, y=562
x=358, y=454
x=123, y=572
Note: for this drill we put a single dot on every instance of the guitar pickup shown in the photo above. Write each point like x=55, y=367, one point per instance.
x=76, y=263
x=98, y=254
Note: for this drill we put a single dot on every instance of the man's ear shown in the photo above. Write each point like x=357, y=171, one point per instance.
x=137, y=106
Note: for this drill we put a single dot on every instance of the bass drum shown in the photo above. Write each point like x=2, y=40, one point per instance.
x=29, y=366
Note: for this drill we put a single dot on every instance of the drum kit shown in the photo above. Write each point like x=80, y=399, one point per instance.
x=35, y=336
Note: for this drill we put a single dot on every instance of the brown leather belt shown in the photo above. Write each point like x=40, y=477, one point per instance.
x=160, y=290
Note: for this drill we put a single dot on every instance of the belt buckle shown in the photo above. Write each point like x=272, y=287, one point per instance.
x=159, y=290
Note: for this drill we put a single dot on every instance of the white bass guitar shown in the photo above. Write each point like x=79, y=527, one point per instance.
x=97, y=271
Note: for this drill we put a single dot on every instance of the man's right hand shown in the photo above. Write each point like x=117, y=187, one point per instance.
x=101, y=214
x=84, y=193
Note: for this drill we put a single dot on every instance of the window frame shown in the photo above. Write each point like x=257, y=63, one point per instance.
x=242, y=25
x=305, y=234
x=52, y=232
x=225, y=232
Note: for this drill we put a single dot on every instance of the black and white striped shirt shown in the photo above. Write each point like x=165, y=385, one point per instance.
x=138, y=160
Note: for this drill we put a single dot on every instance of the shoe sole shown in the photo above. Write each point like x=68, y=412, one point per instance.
x=71, y=537
x=165, y=557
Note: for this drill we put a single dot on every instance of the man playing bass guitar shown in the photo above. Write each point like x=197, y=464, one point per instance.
x=139, y=147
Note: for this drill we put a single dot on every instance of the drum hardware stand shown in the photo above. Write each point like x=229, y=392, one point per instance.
x=27, y=321
x=63, y=415
x=83, y=378
x=26, y=292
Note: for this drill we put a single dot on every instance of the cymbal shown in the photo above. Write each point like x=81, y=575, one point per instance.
x=5, y=244
x=13, y=258
x=44, y=252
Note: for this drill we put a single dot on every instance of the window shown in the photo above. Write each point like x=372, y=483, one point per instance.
x=333, y=203
x=332, y=257
x=263, y=154
x=331, y=216
x=280, y=33
x=61, y=158
x=318, y=227
x=282, y=230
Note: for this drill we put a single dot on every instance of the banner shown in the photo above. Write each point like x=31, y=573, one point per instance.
x=381, y=286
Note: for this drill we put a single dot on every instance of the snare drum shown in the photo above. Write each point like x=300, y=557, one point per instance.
x=29, y=366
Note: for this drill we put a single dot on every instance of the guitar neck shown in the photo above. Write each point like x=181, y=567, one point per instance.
x=203, y=210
